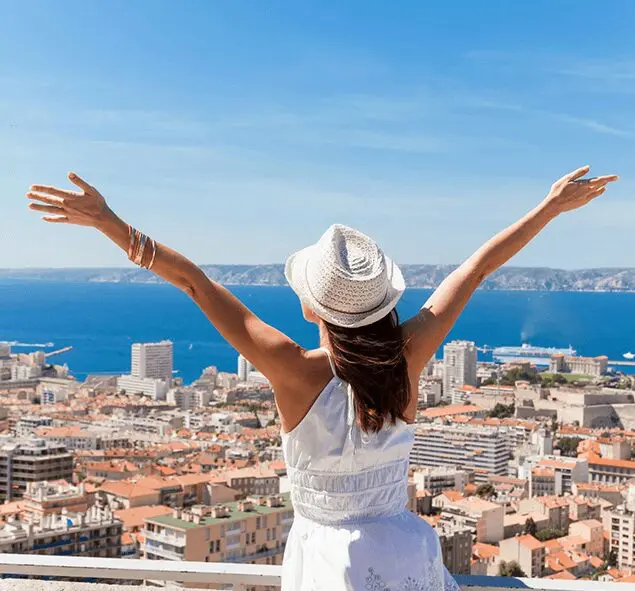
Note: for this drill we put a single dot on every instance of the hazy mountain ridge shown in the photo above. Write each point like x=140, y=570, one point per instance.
x=507, y=278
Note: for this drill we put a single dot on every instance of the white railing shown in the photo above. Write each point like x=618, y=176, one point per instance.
x=240, y=576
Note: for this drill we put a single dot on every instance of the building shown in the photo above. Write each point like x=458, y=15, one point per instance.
x=430, y=391
x=619, y=525
x=456, y=547
x=439, y=478
x=483, y=518
x=527, y=551
x=481, y=451
x=31, y=460
x=94, y=533
x=244, y=368
x=553, y=475
x=459, y=366
x=151, y=373
x=152, y=360
x=607, y=471
x=76, y=438
x=587, y=366
x=47, y=498
x=188, y=398
x=252, y=531
x=26, y=425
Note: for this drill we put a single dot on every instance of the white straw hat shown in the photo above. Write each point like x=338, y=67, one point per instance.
x=345, y=278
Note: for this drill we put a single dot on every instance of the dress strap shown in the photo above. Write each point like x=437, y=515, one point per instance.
x=329, y=356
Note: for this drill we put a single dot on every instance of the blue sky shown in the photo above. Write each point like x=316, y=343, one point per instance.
x=237, y=131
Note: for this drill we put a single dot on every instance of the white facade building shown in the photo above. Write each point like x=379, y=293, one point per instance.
x=459, y=366
x=152, y=360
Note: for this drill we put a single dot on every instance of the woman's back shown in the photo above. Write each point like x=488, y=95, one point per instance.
x=352, y=529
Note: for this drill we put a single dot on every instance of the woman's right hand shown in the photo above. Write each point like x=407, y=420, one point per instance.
x=572, y=191
x=81, y=208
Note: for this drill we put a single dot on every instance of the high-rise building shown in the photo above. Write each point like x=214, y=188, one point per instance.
x=31, y=460
x=152, y=360
x=151, y=373
x=459, y=366
x=482, y=451
x=244, y=368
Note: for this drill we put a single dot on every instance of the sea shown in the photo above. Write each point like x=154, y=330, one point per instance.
x=100, y=321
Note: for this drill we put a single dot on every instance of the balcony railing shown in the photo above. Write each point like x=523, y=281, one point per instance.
x=240, y=576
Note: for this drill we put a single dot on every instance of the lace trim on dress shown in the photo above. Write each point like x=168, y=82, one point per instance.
x=436, y=578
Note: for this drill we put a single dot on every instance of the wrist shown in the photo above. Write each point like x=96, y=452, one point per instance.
x=548, y=209
x=107, y=221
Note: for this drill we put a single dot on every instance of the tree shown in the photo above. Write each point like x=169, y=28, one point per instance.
x=502, y=411
x=569, y=446
x=485, y=491
x=530, y=527
x=510, y=569
x=611, y=559
x=549, y=534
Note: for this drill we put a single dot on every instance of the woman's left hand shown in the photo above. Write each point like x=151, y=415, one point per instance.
x=81, y=208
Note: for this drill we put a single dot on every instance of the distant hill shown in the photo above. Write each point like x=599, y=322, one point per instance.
x=507, y=278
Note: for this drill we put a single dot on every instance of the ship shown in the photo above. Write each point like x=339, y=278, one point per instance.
x=530, y=354
x=629, y=356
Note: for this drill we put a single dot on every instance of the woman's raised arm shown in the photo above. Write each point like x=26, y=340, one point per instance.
x=427, y=330
x=272, y=352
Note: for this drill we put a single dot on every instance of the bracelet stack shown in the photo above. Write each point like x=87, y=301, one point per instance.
x=137, y=248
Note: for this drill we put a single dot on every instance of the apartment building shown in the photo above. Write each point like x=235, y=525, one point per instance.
x=556, y=508
x=94, y=533
x=527, y=551
x=75, y=437
x=608, y=471
x=456, y=547
x=620, y=526
x=31, y=460
x=47, y=498
x=251, y=531
x=26, y=425
x=483, y=518
x=481, y=451
x=459, y=366
x=439, y=478
x=555, y=475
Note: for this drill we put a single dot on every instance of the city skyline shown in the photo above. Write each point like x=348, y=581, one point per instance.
x=217, y=128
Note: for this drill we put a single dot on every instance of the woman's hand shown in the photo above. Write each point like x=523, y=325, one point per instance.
x=572, y=191
x=81, y=208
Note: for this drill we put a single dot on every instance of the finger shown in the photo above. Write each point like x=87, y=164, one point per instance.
x=609, y=178
x=58, y=219
x=596, y=193
x=45, y=208
x=45, y=199
x=54, y=191
x=80, y=182
x=576, y=174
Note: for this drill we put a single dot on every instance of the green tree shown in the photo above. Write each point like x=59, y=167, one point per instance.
x=569, y=446
x=549, y=534
x=502, y=411
x=510, y=569
x=485, y=491
x=611, y=559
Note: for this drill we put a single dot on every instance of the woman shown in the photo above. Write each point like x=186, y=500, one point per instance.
x=346, y=408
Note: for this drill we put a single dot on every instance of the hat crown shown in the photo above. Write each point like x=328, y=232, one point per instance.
x=348, y=271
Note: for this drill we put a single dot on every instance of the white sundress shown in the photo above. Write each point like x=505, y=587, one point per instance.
x=352, y=530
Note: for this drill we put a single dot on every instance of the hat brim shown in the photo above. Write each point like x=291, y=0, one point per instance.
x=295, y=273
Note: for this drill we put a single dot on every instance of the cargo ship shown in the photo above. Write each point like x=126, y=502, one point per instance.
x=530, y=353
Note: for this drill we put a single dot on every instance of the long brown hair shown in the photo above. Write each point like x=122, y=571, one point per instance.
x=372, y=360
